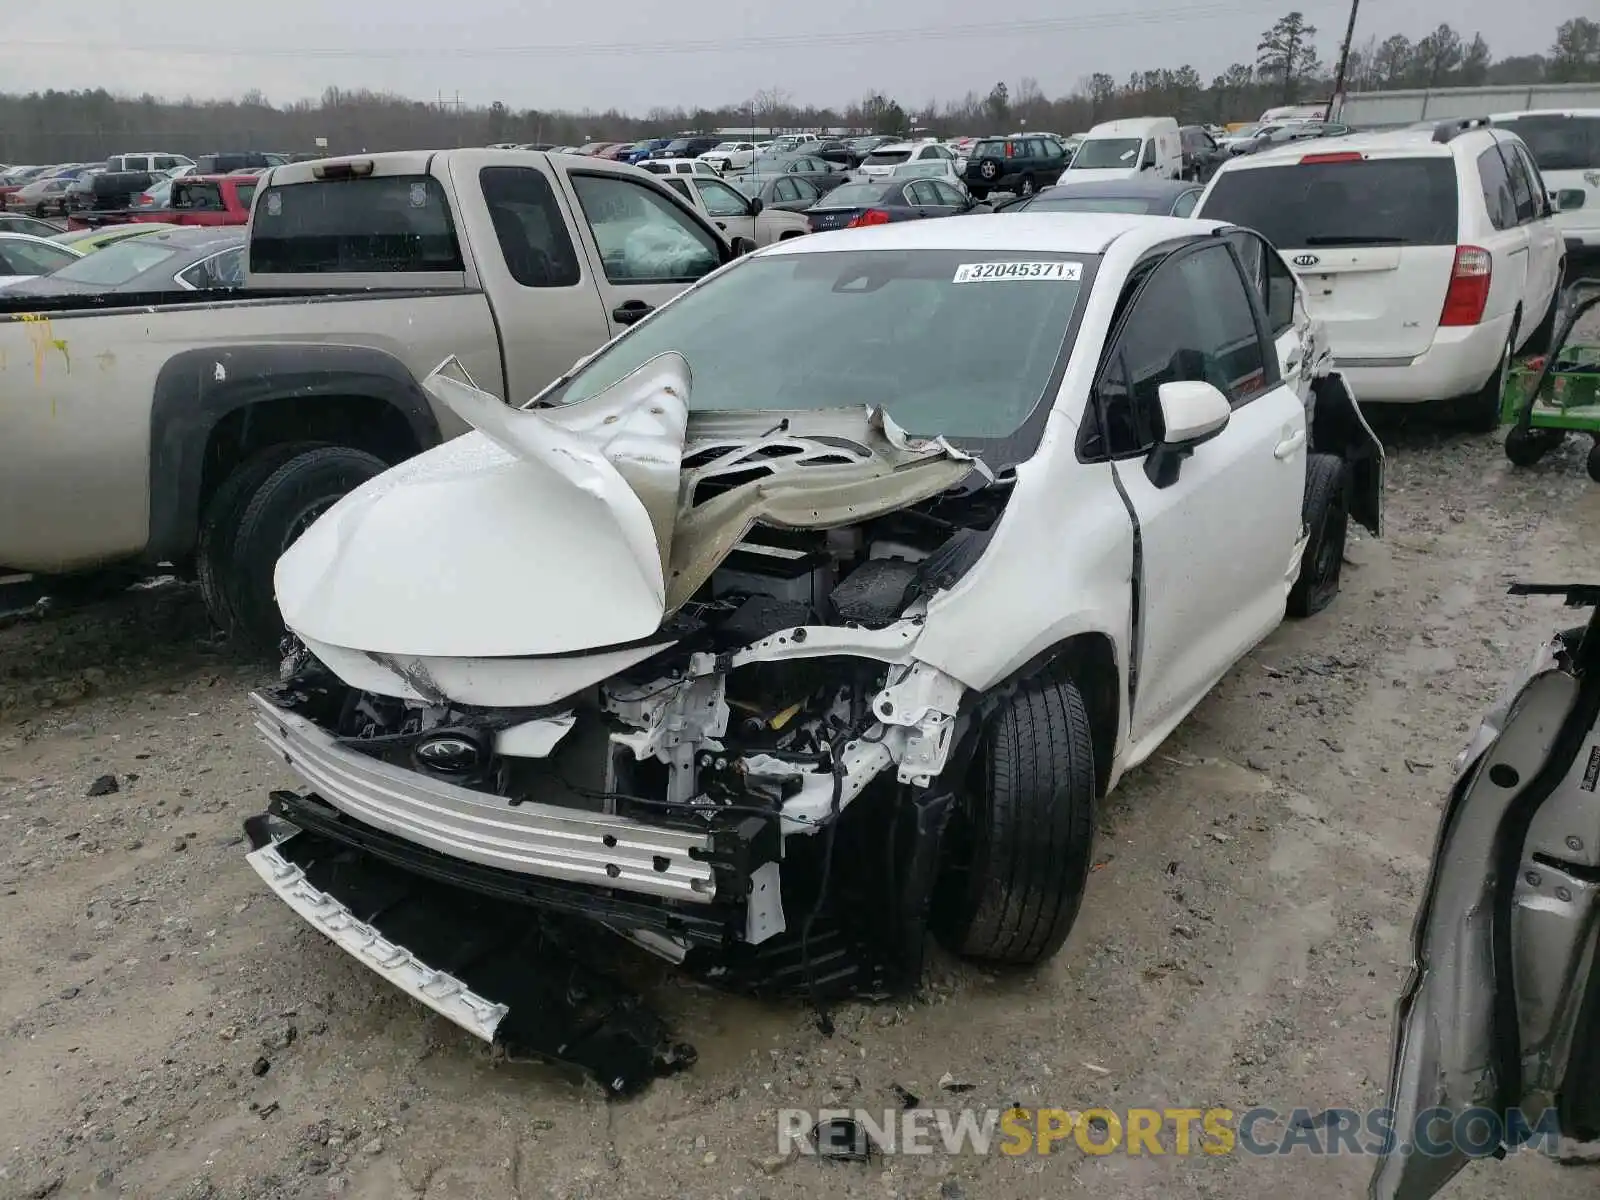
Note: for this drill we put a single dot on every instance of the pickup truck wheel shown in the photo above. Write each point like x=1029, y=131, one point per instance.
x=282, y=508
x=1023, y=831
x=220, y=523
x=1327, y=515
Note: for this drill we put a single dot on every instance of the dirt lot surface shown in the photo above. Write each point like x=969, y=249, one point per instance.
x=167, y=1029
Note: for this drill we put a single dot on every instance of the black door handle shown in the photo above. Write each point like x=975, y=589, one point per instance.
x=722, y=225
x=630, y=311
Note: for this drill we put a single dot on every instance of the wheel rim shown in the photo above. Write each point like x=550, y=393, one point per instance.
x=1027, y=187
x=306, y=518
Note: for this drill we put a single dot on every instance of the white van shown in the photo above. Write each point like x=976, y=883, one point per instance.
x=1123, y=149
x=152, y=161
x=1295, y=112
x=1566, y=146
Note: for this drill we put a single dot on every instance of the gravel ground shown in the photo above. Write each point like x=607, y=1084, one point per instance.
x=167, y=1029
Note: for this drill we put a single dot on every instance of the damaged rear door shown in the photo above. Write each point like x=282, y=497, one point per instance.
x=1498, y=1030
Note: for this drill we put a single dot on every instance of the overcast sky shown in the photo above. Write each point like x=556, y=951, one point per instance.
x=635, y=54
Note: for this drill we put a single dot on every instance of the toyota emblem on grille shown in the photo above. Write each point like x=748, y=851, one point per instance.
x=449, y=753
x=1306, y=260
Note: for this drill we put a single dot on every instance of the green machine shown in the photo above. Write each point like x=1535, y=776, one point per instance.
x=1557, y=393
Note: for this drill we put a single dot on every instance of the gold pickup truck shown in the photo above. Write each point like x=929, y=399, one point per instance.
x=208, y=429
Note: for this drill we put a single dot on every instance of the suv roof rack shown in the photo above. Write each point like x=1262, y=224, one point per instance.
x=1444, y=131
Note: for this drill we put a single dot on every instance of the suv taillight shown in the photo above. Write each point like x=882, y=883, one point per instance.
x=873, y=216
x=1469, y=287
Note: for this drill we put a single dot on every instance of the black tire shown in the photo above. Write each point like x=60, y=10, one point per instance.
x=979, y=192
x=1524, y=447
x=1327, y=515
x=1026, y=187
x=1021, y=843
x=282, y=508
x=1479, y=412
x=219, y=525
x=1593, y=462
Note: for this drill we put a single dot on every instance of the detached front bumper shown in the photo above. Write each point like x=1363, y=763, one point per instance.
x=543, y=840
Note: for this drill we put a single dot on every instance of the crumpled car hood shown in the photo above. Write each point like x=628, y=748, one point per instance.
x=560, y=530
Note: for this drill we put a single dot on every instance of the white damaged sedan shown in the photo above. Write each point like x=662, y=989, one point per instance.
x=770, y=663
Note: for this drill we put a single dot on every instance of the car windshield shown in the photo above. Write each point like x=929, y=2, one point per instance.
x=677, y=145
x=726, y=146
x=1559, y=143
x=884, y=158
x=118, y=263
x=1098, y=153
x=770, y=162
x=1367, y=202
x=853, y=195
x=958, y=343
x=1245, y=131
x=921, y=170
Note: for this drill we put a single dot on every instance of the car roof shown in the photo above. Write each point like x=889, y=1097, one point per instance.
x=199, y=237
x=1388, y=143
x=1052, y=233
x=11, y=235
x=1132, y=189
x=1545, y=112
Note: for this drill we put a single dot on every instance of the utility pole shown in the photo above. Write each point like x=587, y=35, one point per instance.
x=1344, y=60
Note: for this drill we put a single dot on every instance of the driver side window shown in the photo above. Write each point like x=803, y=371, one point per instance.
x=721, y=200
x=1191, y=321
x=641, y=235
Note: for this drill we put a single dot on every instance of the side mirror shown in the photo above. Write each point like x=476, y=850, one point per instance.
x=756, y=206
x=1192, y=412
x=1568, y=199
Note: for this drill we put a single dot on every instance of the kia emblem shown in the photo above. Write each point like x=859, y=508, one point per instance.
x=1306, y=260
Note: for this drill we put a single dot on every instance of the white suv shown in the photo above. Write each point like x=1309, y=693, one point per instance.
x=1566, y=145
x=1430, y=255
x=880, y=164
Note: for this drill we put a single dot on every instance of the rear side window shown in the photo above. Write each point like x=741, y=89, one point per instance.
x=246, y=193
x=529, y=227
x=1559, y=143
x=1521, y=185
x=390, y=223
x=1373, y=202
x=1496, y=189
x=203, y=197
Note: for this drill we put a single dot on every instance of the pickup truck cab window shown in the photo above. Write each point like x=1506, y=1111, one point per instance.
x=529, y=227
x=722, y=200
x=398, y=223
x=641, y=235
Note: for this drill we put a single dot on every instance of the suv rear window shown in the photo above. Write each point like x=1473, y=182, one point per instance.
x=1374, y=202
x=388, y=223
x=1559, y=143
x=995, y=149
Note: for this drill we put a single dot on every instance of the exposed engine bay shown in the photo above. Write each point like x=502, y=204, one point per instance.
x=758, y=794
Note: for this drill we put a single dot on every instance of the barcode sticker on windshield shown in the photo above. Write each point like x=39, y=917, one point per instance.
x=998, y=272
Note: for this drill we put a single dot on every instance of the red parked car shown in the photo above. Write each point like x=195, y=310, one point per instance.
x=196, y=200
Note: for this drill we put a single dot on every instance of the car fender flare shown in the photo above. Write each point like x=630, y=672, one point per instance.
x=196, y=389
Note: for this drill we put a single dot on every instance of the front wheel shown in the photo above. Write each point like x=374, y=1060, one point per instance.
x=1021, y=838
x=1594, y=461
x=1327, y=516
x=283, y=507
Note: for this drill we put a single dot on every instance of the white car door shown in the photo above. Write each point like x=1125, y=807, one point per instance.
x=1218, y=544
x=1497, y=1037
